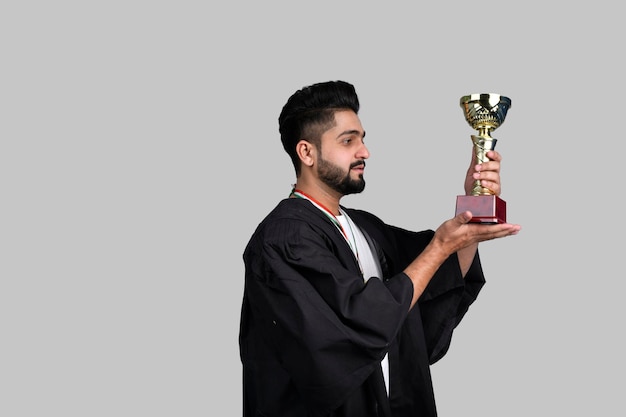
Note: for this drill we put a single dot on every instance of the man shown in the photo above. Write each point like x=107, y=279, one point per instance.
x=342, y=314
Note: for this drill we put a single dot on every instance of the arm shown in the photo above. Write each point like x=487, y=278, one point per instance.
x=456, y=234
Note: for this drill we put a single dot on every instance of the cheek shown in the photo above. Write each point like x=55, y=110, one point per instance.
x=334, y=158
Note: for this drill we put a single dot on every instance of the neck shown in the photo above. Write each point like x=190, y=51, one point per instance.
x=327, y=198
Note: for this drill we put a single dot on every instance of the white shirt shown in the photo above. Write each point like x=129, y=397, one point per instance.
x=369, y=265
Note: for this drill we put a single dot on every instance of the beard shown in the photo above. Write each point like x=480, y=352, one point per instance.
x=339, y=180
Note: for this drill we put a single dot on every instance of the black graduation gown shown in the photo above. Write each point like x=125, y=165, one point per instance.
x=312, y=333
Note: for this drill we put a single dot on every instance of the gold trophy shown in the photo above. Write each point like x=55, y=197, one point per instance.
x=484, y=112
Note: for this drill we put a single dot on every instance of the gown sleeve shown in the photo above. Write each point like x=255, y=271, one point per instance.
x=446, y=298
x=326, y=328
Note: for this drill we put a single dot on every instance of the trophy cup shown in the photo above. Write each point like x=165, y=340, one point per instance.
x=484, y=112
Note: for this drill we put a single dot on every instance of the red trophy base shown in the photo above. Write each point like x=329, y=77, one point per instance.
x=489, y=209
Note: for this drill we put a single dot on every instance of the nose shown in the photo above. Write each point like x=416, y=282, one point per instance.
x=363, y=152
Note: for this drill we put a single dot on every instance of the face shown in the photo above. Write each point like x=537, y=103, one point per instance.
x=342, y=161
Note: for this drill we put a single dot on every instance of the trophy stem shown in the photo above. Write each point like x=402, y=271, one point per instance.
x=482, y=144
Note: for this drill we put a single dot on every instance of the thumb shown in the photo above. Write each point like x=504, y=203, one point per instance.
x=464, y=217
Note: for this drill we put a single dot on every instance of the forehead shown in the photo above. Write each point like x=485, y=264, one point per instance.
x=346, y=122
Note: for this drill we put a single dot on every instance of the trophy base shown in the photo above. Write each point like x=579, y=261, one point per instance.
x=487, y=209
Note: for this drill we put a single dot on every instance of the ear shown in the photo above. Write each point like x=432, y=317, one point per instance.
x=306, y=152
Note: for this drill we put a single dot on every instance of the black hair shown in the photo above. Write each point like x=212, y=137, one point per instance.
x=310, y=112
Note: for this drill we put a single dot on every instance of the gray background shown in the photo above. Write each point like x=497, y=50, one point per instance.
x=140, y=150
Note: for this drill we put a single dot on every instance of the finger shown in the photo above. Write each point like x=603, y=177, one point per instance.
x=488, y=166
x=494, y=155
x=487, y=176
x=490, y=232
x=494, y=187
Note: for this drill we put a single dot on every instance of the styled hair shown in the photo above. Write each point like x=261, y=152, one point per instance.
x=310, y=112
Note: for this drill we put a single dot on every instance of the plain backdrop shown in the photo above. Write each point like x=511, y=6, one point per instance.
x=140, y=149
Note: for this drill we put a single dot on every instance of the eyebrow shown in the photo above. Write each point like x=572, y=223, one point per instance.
x=351, y=132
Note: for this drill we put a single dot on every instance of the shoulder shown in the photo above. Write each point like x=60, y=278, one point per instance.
x=292, y=219
x=363, y=218
x=366, y=219
x=294, y=231
x=398, y=243
x=293, y=211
